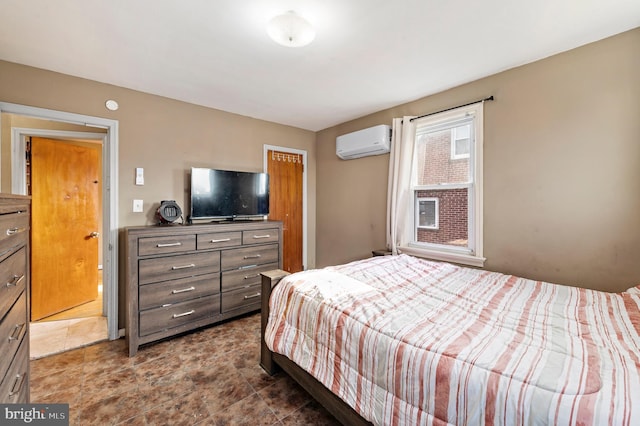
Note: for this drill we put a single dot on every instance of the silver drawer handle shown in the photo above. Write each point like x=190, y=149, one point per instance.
x=256, y=237
x=15, y=281
x=184, y=290
x=17, y=329
x=221, y=240
x=247, y=277
x=191, y=265
x=255, y=256
x=19, y=382
x=253, y=296
x=12, y=231
x=169, y=245
x=183, y=314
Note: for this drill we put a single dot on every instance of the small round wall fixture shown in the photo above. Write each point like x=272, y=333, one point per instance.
x=291, y=30
x=112, y=105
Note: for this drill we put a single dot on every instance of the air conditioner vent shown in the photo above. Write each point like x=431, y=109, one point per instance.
x=372, y=141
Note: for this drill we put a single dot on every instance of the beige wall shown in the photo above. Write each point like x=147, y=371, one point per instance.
x=166, y=137
x=561, y=168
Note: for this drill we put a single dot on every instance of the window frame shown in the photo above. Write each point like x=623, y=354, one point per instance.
x=472, y=254
x=454, y=143
x=436, y=202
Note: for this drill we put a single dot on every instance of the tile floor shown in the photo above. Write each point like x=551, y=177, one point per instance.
x=209, y=377
x=51, y=337
x=76, y=327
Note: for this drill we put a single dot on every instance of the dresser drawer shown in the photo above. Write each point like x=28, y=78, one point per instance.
x=175, y=291
x=14, y=387
x=165, y=245
x=260, y=236
x=239, y=278
x=13, y=225
x=164, y=318
x=180, y=266
x=219, y=239
x=248, y=256
x=241, y=298
x=12, y=329
x=12, y=279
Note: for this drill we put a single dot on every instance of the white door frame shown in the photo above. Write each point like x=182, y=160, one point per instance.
x=18, y=146
x=109, y=195
x=302, y=152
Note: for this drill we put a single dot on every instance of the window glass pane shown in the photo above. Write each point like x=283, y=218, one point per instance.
x=452, y=220
x=461, y=147
x=463, y=132
x=461, y=141
x=427, y=213
x=434, y=163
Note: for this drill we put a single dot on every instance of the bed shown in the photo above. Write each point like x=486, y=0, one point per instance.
x=397, y=340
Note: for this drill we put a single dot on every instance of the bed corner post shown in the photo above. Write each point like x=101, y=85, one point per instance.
x=269, y=280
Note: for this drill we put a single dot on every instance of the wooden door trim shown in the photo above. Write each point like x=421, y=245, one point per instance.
x=109, y=196
x=303, y=153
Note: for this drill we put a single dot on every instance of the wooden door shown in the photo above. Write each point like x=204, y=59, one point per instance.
x=65, y=215
x=285, y=204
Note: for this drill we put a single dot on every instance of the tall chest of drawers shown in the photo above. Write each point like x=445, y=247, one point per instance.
x=14, y=298
x=183, y=277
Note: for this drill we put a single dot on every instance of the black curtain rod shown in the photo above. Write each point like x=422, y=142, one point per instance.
x=490, y=98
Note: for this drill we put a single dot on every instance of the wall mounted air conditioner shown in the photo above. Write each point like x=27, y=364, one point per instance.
x=372, y=141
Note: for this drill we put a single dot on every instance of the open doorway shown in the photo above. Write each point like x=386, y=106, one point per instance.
x=64, y=182
x=95, y=130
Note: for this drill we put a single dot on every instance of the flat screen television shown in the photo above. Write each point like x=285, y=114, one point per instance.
x=227, y=194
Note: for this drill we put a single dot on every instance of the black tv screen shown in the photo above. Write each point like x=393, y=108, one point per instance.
x=219, y=194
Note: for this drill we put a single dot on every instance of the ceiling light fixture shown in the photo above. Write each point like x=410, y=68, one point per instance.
x=290, y=30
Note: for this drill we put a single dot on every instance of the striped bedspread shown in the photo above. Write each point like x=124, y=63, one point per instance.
x=407, y=341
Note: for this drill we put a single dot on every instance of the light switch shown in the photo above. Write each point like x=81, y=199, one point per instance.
x=137, y=206
x=139, y=176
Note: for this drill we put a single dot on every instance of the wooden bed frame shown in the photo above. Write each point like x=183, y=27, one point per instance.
x=271, y=362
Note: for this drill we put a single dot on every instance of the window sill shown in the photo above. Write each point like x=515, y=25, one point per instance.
x=445, y=256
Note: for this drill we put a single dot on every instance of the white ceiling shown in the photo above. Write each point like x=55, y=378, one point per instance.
x=368, y=54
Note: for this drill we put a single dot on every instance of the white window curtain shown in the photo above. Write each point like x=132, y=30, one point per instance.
x=398, y=194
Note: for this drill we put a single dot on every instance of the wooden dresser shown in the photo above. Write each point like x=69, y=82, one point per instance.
x=14, y=298
x=181, y=277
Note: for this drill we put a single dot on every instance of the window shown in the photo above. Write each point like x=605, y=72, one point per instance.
x=446, y=186
x=427, y=211
x=460, y=142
